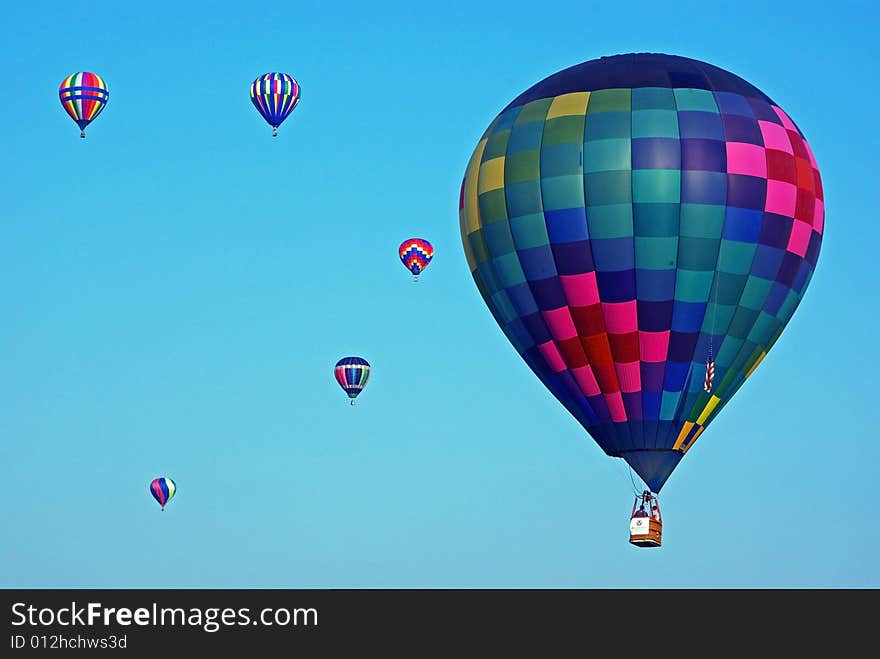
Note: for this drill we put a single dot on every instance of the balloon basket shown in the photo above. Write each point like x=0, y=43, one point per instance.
x=646, y=525
x=83, y=134
x=274, y=132
x=352, y=401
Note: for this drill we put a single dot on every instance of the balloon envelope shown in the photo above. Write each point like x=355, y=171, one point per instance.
x=633, y=223
x=275, y=95
x=415, y=254
x=352, y=374
x=163, y=490
x=83, y=95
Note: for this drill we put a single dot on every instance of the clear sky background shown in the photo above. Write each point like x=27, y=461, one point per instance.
x=176, y=288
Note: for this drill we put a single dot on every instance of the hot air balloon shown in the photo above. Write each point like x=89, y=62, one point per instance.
x=415, y=254
x=84, y=95
x=275, y=95
x=163, y=490
x=352, y=374
x=642, y=227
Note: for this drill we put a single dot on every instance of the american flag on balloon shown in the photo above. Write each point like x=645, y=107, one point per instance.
x=710, y=375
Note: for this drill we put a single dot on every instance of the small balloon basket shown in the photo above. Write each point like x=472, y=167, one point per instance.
x=645, y=523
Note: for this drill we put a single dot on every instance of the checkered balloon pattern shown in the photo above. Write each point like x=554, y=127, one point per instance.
x=632, y=223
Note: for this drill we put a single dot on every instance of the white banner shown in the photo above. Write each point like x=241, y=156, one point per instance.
x=639, y=526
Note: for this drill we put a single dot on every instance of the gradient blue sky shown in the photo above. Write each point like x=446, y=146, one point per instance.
x=176, y=288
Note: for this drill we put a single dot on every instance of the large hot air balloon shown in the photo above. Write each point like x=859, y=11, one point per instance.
x=642, y=227
x=352, y=374
x=275, y=95
x=415, y=254
x=163, y=490
x=84, y=95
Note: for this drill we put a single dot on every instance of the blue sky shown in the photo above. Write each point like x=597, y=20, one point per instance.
x=176, y=288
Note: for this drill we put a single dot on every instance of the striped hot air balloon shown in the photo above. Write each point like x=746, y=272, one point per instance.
x=163, y=490
x=83, y=95
x=352, y=374
x=416, y=254
x=275, y=95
